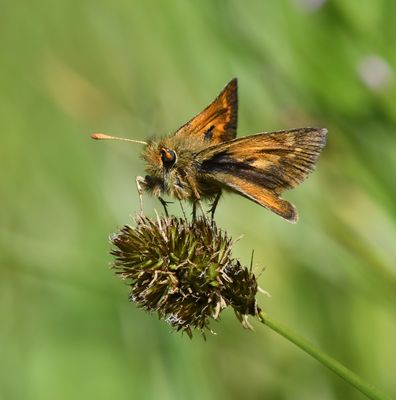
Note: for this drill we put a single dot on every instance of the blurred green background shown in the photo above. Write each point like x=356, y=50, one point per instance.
x=136, y=69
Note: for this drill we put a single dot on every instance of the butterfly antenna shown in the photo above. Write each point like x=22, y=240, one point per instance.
x=103, y=136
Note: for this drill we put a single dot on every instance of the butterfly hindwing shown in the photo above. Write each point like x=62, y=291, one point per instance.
x=217, y=123
x=262, y=166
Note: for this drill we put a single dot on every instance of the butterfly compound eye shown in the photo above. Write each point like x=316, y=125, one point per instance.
x=168, y=157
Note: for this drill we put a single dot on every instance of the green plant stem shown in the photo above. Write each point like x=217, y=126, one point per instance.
x=370, y=391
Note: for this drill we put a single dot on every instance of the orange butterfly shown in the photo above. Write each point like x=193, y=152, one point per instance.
x=203, y=158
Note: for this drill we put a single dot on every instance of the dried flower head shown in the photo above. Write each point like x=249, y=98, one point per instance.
x=183, y=271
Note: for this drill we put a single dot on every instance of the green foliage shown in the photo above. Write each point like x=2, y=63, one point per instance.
x=136, y=69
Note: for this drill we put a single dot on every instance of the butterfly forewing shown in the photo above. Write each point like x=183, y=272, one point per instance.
x=217, y=123
x=262, y=166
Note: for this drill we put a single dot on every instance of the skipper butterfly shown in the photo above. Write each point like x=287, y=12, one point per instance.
x=203, y=158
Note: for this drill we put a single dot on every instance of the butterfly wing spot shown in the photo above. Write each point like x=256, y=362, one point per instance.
x=217, y=123
x=209, y=133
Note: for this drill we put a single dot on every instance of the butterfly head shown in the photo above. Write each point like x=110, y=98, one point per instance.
x=169, y=165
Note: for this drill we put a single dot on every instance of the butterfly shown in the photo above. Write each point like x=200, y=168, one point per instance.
x=204, y=158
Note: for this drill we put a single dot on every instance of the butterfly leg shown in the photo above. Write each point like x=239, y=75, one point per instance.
x=140, y=182
x=165, y=205
x=194, y=210
x=196, y=200
x=214, y=205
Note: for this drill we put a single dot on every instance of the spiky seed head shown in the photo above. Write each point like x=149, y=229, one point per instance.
x=184, y=271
